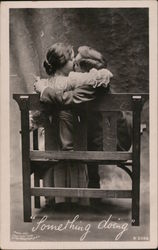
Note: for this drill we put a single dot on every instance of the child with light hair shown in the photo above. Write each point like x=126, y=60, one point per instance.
x=86, y=60
x=89, y=58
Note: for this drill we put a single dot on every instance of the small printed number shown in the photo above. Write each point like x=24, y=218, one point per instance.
x=141, y=238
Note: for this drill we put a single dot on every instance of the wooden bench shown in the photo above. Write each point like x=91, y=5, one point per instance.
x=34, y=161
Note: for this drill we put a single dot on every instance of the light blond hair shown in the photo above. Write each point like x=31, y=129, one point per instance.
x=90, y=58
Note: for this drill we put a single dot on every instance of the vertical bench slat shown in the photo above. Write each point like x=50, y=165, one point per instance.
x=110, y=131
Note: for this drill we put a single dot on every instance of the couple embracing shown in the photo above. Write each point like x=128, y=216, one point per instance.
x=74, y=80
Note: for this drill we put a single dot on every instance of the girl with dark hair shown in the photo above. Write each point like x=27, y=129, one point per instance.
x=59, y=58
x=59, y=65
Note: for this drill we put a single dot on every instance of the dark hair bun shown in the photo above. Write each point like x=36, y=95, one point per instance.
x=48, y=68
x=56, y=57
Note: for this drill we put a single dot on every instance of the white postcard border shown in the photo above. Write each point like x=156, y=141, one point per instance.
x=5, y=137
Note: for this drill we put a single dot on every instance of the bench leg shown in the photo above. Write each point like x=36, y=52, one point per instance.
x=136, y=199
x=26, y=200
x=136, y=162
x=37, y=184
x=24, y=100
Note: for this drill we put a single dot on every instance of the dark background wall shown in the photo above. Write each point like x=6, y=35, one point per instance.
x=120, y=34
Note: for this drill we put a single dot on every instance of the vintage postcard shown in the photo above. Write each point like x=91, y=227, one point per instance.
x=78, y=125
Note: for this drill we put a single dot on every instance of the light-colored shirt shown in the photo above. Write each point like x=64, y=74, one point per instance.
x=94, y=78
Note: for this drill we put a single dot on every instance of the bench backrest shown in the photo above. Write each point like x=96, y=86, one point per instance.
x=108, y=105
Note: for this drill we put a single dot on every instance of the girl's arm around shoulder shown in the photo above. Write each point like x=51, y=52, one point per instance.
x=95, y=78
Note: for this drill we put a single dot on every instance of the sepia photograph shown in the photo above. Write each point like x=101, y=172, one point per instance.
x=79, y=125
